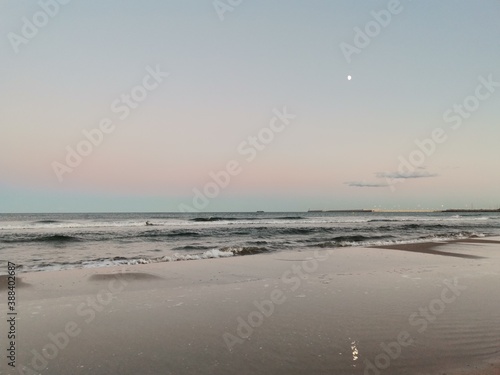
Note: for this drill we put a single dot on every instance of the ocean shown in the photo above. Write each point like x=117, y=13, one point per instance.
x=42, y=242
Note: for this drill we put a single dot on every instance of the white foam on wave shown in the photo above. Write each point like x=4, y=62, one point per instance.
x=209, y=254
x=83, y=225
x=13, y=225
x=387, y=242
x=458, y=236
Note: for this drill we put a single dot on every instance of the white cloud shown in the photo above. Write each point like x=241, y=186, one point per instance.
x=366, y=184
x=407, y=175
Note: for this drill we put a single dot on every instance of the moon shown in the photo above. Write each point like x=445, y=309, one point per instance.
x=349, y=78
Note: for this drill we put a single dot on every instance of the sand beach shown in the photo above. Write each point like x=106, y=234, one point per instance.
x=411, y=309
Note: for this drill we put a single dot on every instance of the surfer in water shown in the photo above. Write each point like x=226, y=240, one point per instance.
x=148, y=223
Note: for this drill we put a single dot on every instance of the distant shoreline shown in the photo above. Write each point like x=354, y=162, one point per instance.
x=465, y=210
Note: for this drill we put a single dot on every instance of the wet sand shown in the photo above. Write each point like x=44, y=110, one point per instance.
x=410, y=309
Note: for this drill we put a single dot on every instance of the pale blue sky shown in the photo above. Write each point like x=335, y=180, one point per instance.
x=226, y=77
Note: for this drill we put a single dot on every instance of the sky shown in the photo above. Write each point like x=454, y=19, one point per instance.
x=232, y=105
